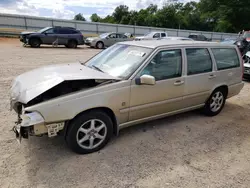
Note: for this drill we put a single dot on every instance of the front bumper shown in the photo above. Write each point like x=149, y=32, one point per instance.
x=90, y=43
x=23, y=39
x=33, y=124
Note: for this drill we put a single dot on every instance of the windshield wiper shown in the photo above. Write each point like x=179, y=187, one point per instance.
x=97, y=68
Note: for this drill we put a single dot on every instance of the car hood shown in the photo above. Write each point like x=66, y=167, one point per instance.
x=31, y=84
x=27, y=32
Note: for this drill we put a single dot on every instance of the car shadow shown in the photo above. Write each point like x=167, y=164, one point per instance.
x=59, y=47
x=147, y=148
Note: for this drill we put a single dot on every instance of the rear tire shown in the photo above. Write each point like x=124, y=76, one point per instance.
x=35, y=42
x=215, y=103
x=71, y=44
x=89, y=132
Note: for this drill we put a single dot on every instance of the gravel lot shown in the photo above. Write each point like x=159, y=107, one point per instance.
x=187, y=150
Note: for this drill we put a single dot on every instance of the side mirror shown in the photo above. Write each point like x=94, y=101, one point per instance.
x=107, y=37
x=145, y=80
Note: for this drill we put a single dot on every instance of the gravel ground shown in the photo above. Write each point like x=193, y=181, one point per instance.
x=186, y=150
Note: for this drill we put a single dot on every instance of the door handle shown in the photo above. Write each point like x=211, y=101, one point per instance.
x=178, y=83
x=230, y=74
x=212, y=76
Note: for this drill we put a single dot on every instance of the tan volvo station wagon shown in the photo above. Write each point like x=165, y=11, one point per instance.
x=128, y=83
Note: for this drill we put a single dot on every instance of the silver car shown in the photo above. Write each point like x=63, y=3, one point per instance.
x=126, y=84
x=106, y=40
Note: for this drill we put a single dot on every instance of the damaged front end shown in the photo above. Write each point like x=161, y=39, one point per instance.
x=33, y=123
x=48, y=83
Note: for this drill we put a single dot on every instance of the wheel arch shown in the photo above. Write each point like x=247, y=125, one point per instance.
x=106, y=110
x=224, y=87
x=72, y=39
x=100, y=42
x=35, y=37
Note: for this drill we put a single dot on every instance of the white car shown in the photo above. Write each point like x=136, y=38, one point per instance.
x=152, y=36
x=177, y=38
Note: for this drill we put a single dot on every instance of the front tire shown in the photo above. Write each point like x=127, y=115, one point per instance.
x=99, y=45
x=89, y=132
x=35, y=43
x=215, y=103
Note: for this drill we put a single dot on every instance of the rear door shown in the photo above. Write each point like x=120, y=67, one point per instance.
x=63, y=35
x=200, y=76
x=120, y=37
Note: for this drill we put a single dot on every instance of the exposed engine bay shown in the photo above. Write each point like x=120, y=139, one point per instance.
x=66, y=87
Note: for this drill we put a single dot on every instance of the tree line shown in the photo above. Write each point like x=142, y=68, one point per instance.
x=205, y=15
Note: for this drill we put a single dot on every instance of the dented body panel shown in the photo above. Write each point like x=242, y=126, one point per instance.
x=113, y=96
x=33, y=83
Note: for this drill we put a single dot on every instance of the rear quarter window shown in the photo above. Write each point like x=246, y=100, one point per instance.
x=226, y=58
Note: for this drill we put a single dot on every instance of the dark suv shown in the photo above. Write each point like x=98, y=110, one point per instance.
x=198, y=37
x=68, y=36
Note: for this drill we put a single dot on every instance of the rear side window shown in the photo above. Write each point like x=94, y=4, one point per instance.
x=226, y=58
x=163, y=34
x=67, y=31
x=198, y=61
x=193, y=36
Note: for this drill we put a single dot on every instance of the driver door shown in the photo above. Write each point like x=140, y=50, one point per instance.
x=167, y=94
x=49, y=36
x=112, y=38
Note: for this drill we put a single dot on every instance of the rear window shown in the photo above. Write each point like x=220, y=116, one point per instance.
x=67, y=31
x=198, y=61
x=226, y=58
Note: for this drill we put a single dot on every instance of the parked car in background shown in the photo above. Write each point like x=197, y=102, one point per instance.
x=231, y=40
x=177, y=38
x=125, y=84
x=68, y=36
x=106, y=40
x=152, y=36
x=246, y=35
x=244, y=47
x=198, y=37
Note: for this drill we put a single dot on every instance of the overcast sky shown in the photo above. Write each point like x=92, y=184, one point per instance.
x=66, y=9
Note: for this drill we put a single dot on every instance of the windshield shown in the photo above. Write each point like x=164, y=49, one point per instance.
x=104, y=35
x=148, y=34
x=44, y=29
x=119, y=60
